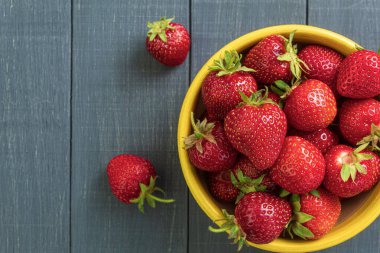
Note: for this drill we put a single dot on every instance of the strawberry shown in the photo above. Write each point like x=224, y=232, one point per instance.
x=359, y=75
x=259, y=218
x=209, y=148
x=276, y=98
x=360, y=120
x=245, y=165
x=232, y=184
x=300, y=167
x=310, y=106
x=274, y=58
x=350, y=172
x=168, y=42
x=323, y=139
x=257, y=129
x=221, y=87
x=323, y=63
x=221, y=187
x=132, y=180
x=314, y=215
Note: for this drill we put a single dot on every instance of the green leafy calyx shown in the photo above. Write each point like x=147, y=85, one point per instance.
x=246, y=184
x=202, y=130
x=372, y=141
x=147, y=194
x=235, y=232
x=230, y=64
x=283, y=89
x=296, y=64
x=294, y=226
x=159, y=28
x=351, y=165
x=257, y=98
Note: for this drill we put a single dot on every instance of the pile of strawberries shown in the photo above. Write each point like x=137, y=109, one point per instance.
x=287, y=135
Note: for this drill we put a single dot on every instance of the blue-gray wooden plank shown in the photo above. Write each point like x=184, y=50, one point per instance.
x=124, y=101
x=35, y=125
x=359, y=21
x=214, y=24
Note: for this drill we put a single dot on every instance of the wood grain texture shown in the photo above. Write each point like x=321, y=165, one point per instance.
x=359, y=21
x=124, y=101
x=35, y=125
x=214, y=24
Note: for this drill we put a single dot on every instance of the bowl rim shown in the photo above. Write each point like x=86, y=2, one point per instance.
x=353, y=225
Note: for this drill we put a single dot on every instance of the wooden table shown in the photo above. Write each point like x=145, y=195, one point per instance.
x=78, y=87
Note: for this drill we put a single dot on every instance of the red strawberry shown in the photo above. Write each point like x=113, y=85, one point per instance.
x=323, y=63
x=209, y=148
x=132, y=180
x=323, y=139
x=257, y=129
x=168, y=42
x=245, y=165
x=310, y=106
x=259, y=218
x=300, y=167
x=221, y=87
x=359, y=75
x=275, y=98
x=274, y=58
x=360, y=118
x=314, y=215
x=350, y=172
x=246, y=178
x=221, y=187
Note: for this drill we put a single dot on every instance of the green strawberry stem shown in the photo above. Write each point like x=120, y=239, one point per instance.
x=352, y=164
x=283, y=89
x=372, y=141
x=246, y=184
x=147, y=194
x=235, y=232
x=159, y=28
x=296, y=64
x=315, y=193
x=230, y=64
x=295, y=226
x=202, y=130
x=197, y=132
x=284, y=193
x=256, y=99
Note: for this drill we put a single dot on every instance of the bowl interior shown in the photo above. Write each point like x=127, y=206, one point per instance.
x=357, y=212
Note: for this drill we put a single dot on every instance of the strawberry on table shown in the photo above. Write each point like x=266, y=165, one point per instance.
x=132, y=180
x=314, y=215
x=323, y=63
x=221, y=87
x=208, y=147
x=259, y=218
x=300, y=167
x=350, y=172
x=360, y=120
x=310, y=106
x=323, y=139
x=274, y=58
x=359, y=75
x=257, y=129
x=168, y=42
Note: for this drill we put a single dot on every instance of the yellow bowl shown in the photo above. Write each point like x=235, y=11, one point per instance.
x=357, y=213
